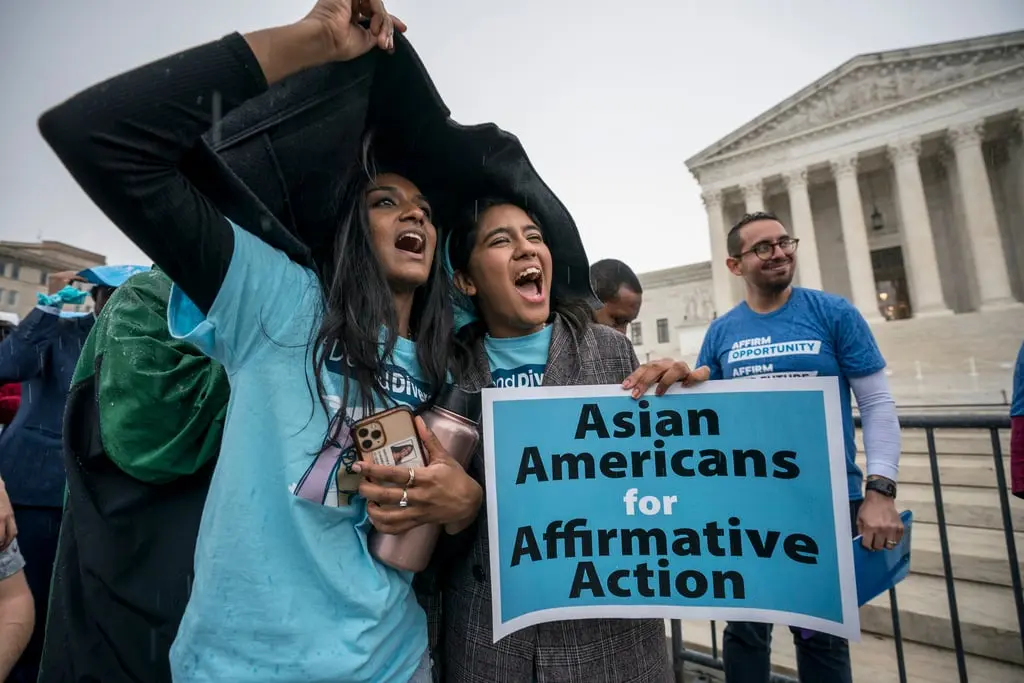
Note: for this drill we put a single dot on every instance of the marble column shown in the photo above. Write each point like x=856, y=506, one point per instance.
x=855, y=238
x=964, y=296
x=918, y=240
x=753, y=201
x=721, y=278
x=808, y=265
x=753, y=197
x=1020, y=161
x=982, y=225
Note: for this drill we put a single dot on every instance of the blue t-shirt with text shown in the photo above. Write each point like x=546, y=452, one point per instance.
x=814, y=334
x=518, y=361
x=1017, y=404
x=285, y=589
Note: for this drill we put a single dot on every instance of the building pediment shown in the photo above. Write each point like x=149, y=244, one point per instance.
x=871, y=84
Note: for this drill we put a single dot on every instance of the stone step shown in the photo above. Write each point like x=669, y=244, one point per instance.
x=873, y=658
x=988, y=619
x=954, y=470
x=949, y=442
x=942, y=389
x=977, y=555
x=913, y=396
x=968, y=506
x=997, y=332
x=960, y=359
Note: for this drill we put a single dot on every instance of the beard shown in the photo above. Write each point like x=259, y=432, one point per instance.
x=775, y=285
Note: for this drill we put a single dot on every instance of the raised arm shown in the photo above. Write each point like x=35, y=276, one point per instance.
x=124, y=139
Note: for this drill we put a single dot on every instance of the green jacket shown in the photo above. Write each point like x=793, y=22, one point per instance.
x=162, y=402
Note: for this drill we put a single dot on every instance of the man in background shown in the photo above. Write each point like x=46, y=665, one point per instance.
x=619, y=290
x=833, y=340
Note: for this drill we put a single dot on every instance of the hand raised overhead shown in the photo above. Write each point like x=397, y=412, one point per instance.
x=348, y=40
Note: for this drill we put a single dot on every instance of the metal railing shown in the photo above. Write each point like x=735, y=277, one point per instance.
x=929, y=423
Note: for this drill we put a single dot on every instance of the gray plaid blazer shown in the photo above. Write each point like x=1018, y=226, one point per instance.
x=458, y=602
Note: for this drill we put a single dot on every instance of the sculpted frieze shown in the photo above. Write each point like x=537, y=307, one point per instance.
x=875, y=86
x=698, y=304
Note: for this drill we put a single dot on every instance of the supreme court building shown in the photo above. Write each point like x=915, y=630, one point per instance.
x=902, y=173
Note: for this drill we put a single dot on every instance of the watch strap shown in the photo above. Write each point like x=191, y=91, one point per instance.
x=881, y=485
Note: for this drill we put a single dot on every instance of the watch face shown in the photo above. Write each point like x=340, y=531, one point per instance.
x=884, y=487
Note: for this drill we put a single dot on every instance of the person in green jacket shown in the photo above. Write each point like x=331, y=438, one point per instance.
x=142, y=432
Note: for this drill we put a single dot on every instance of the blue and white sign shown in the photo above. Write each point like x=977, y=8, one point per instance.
x=728, y=501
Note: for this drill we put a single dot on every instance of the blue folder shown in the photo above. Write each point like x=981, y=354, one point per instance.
x=879, y=570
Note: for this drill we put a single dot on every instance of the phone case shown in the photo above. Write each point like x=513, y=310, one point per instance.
x=389, y=438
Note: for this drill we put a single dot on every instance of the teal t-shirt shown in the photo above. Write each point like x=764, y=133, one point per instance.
x=519, y=361
x=285, y=588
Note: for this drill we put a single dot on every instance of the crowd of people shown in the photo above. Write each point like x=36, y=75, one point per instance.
x=153, y=477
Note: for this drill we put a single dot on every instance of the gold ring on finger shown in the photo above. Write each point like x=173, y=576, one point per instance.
x=412, y=478
x=891, y=544
x=404, y=503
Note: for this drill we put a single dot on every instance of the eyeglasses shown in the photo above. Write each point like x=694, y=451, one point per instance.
x=764, y=250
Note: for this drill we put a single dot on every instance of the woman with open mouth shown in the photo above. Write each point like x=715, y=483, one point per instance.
x=285, y=588
x=532, y=327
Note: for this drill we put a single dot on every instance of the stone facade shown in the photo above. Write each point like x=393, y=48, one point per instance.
x=678, y=305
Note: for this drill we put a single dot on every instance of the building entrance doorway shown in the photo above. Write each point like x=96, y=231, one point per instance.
x=891, y=283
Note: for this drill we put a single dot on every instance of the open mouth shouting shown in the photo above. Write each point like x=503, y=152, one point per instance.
x=529, y=282
x=412, y=242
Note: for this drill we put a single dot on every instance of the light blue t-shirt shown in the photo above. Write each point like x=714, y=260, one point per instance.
x=1017, y=404
x=285, y=589
x=815, y=334
x=518, y=361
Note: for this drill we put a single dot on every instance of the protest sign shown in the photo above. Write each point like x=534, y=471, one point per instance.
x=727, y=501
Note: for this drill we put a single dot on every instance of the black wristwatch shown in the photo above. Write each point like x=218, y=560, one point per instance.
x=886, y=487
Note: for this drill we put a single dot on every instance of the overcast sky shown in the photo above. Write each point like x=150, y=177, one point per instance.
x=608, y=97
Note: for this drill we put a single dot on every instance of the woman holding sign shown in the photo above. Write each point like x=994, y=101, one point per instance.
x=533, y=327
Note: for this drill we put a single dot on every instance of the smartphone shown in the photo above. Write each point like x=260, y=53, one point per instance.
x=389, y=438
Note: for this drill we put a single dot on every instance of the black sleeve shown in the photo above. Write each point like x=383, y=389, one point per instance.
x=124, y=140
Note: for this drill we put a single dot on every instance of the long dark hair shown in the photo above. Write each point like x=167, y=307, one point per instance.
x=576, y=312
x=358, y=301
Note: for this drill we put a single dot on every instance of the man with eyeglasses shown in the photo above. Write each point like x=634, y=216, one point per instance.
x=833, y=340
